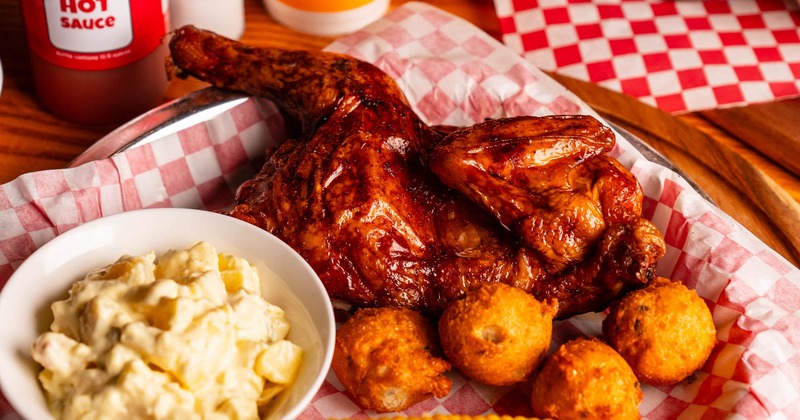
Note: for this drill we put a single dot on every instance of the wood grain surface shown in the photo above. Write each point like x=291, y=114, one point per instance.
x=772, y=129
x=744, y=158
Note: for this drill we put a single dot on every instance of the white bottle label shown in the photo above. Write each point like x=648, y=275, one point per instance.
x=94, y=34
x=89, y=26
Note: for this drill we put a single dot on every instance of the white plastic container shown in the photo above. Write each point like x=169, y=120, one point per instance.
x=224, y=17
x=326, y=17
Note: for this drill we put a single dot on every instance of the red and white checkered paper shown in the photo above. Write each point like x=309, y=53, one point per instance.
x=455, y=74
x=676, y=55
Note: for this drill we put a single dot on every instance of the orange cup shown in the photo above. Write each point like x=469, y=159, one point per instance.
x=326, y=17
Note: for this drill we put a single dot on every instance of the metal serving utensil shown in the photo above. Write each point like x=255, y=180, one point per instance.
x=195, y=107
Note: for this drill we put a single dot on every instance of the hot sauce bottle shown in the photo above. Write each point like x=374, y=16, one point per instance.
x=97, y=61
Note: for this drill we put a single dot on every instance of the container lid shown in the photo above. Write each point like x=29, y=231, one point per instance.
x=325, y=23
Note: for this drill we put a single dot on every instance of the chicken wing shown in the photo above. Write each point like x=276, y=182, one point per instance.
x=368, y=194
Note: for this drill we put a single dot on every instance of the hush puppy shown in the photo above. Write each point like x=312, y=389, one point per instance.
x=387, y=359
x=497, y=334
x=586, y=379
x=665, y=331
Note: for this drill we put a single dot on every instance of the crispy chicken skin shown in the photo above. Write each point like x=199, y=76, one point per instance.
x=549, y=181
x=390, y=211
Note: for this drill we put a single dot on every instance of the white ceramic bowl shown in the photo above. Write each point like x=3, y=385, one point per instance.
x=47, y=275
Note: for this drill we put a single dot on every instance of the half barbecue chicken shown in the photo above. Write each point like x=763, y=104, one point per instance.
x=391, y=211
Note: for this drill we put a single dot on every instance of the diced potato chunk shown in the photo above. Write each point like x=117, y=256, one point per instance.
x=279, y=362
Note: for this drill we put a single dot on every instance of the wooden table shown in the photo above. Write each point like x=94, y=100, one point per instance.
x=744, y=158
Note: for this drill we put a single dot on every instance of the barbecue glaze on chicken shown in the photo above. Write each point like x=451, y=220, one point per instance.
x=391, y=211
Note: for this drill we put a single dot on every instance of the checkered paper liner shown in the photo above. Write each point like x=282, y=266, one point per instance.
x=455, y=74
x=676, y=55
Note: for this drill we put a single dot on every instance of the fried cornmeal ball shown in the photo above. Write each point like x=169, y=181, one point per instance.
x=586, y=379
x=665, y=331
x=497, y=334
x=387, y=359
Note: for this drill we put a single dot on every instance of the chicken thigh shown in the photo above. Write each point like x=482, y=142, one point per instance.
x=390, y=211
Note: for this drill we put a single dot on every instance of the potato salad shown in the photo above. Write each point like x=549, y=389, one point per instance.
x=186, y=335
